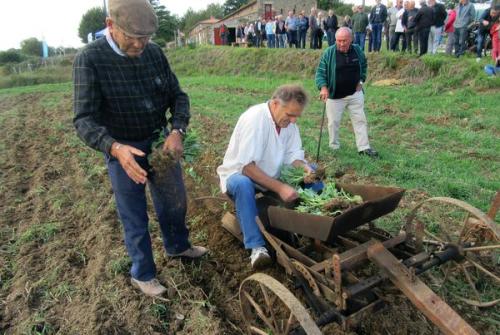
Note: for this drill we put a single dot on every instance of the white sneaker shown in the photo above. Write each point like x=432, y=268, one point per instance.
x=151, y=287
x=260, y=258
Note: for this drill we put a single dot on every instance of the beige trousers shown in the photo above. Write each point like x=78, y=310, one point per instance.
x=355, y=104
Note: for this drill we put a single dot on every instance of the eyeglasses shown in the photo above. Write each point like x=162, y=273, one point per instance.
x=144, y=39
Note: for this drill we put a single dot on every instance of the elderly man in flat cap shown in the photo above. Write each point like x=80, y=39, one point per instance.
x=123, y=87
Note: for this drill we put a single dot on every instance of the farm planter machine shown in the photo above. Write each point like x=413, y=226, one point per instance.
x=342, y=267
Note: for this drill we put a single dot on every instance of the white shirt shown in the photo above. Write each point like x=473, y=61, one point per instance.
x=255, y=139
x=399, y=22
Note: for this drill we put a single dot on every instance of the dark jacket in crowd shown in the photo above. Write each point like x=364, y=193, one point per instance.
x=331, y=23
x=280, y=27
x=410, y=14
x=313, y=22
x=439, y=12
x=378, y=14
x=424, y=18
x=486, y=16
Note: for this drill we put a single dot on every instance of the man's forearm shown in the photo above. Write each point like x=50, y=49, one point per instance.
x=255, y=173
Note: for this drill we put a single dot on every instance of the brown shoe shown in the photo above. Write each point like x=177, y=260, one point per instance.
x=151, y=287
x=193, y=252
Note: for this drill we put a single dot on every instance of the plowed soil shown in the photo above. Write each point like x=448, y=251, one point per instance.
x=63, y=265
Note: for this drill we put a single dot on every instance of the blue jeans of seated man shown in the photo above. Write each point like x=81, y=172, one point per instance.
x=169, y=199
x=242, y=190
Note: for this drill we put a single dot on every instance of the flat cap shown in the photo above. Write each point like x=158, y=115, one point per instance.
x=136, y=18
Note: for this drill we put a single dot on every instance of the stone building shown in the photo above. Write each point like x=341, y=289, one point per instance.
x=203, y=32
x=250, y=13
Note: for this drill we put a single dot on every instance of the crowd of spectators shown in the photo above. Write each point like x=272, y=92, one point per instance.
x=405, y=28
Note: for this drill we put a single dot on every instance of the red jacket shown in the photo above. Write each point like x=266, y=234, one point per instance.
x=448, y=27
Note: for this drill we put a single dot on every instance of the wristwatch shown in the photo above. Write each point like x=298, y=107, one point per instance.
x=180, y=131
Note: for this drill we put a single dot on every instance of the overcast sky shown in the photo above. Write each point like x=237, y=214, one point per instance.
x=57, y=21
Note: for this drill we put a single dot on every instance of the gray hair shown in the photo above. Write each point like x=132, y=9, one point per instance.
x=343, y=29
x=287, y=93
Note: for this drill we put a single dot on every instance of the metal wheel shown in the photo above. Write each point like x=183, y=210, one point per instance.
x=268, y=307
x=437, y=222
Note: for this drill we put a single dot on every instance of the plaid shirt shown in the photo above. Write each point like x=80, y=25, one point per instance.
x=123, y=98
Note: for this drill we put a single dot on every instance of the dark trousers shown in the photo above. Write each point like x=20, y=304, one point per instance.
x=169, y=200
x=302, y=38
x=292, y=36
x=359, y=39
x=316, y=39
x=395, y=41
x=423, y=36
x=460, y=36
x=411, y=38
x=377, y=36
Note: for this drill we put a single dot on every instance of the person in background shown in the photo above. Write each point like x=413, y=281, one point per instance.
x=123, y=87
x=411, y=34
x=223, y=33
x=400, y=28
x=271, y=36
x=320, y=32
x=391, y=21
x=439, y=16
x=314, y=26
x=302, y=26
x=260, y=31
x=240, y=33
x=449, y=29
x=424, y=20
x=331, y=25
x=264, y=139
x=347, y=22
x=291, y=27
x=378, y=16
x=280, y=32
x=359, y=25
x=339, y=77
x=486, y=21
x=495, y=38
x=465, y=15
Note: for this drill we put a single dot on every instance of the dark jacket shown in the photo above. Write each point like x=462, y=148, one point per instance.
x=410, y=24
x=326, y=71
x=439, y=12
x=123, y=98
x=382, y=14
x=424, y=18
x=486, y=16
x=331, y=23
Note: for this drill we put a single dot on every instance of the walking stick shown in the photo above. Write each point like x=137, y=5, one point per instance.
x=321, y=132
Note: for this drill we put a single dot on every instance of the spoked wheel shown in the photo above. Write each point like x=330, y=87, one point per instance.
x=268, y=307
x=439, y=222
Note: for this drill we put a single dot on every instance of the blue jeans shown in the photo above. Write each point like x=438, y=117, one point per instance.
x=480, y=44
x=169, y=199
x=377, y=36
x=359, y=39
x=330, y=36
x=280, y=40
x=271, y=41
x=242, y=190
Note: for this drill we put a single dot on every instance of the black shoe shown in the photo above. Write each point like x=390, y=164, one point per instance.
x=369, y=152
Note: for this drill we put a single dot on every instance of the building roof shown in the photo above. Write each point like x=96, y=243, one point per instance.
x=251, y=3
x=209, y=21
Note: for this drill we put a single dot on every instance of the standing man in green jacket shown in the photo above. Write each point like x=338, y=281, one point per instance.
x=359, y=24
x=339, y=77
